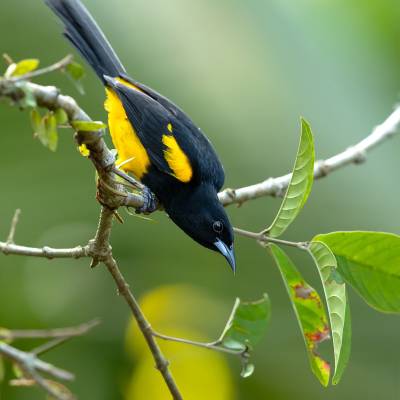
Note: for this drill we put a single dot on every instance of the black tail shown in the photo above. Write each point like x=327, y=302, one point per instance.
x=84, y=33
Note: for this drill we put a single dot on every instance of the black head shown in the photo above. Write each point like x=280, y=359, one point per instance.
x=200, y=215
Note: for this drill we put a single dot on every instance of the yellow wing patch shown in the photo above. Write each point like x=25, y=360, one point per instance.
x=177, y=159
x=124, y=137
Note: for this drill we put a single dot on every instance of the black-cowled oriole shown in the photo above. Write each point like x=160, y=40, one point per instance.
x=156, y=141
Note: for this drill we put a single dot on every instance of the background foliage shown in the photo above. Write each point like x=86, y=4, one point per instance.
x=245, y=71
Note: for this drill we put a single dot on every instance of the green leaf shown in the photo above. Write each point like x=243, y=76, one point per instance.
x=38, y=126
x=50, y=123
x=16, y=369
x=45, y=129
x=25, y=66
x=61, y=116
x=300, y=183
x=75, y=70
x=76, y=73
x=246, y=326
x=370, y=263
x=88, y=126
x=309, y=311
x=346, y=347
x=338, y=309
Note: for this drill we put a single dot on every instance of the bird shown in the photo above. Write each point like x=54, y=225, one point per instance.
x=156, y=141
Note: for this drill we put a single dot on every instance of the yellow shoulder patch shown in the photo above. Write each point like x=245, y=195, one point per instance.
x=177, y=159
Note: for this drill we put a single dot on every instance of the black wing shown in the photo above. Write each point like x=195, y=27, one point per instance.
x=151, y=115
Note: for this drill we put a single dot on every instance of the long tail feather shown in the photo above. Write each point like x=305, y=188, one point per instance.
x=84, y=33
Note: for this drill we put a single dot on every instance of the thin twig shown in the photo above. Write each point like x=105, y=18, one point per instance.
x=7, y=59
x=31, y=361
x=52, y=344
x=14, y=223
x=25, y=382
x=46, y=385
x=50, y=333
x=60, y=65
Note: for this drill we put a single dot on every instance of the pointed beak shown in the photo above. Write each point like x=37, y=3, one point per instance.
x=227, y=252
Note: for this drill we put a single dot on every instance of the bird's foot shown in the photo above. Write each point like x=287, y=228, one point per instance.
x=150, y=203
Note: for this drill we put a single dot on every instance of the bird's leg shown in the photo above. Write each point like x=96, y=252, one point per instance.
x=150, y=203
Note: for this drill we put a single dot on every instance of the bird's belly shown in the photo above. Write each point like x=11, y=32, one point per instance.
x=131, y=152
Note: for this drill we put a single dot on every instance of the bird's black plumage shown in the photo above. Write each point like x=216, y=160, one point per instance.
x=180, y=165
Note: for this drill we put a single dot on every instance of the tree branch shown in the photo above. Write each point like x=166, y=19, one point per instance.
x=353, y=155
x=102, y=158
x=33, y=366
x=103, y=253
x=44, y=252
x=6, y=334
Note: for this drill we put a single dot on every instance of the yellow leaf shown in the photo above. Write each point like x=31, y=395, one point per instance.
x=25, y=66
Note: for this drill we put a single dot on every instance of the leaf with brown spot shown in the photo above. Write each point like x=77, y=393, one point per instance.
x=309, y=310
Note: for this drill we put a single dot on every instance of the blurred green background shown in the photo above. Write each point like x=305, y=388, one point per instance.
x=245, y=71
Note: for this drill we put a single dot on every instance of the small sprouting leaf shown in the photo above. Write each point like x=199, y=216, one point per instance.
x=45, y=129
x=300, y=184
x=309, y=311
x=76, y=73
x=10, y=70
x=29, y=99
x=337, y=302
x=61, y=116
x=247, y=370
x=38, y=127
x=50, y=123
x=370, y=263
x=75, y=70
x=88, y=126
x=247, y=324
x=36, y=119
x=25, y=66
x=85, y=152
x=17, y=371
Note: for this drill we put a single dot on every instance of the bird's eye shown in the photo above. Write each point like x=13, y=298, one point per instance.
x=218, y=226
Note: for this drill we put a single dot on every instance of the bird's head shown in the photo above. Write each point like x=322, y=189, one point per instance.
x=201, y=216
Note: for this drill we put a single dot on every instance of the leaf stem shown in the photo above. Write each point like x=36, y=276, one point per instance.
x=263, y=239
x=211, y=346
